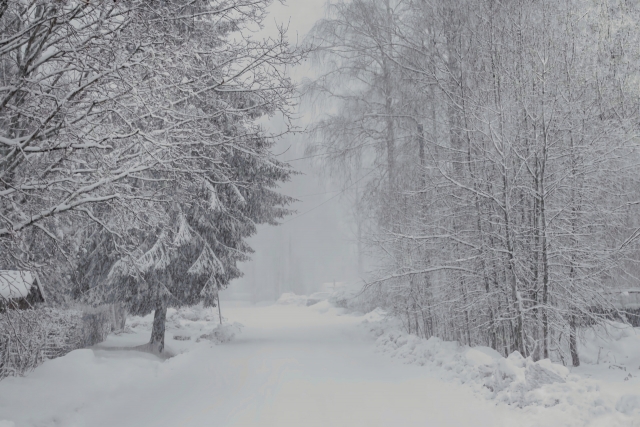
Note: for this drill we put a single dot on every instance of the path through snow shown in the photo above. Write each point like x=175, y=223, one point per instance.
x=290, y=366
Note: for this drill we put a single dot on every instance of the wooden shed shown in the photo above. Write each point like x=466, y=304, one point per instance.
x=20, y=289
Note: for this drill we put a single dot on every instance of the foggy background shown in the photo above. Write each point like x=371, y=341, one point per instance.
x=316, y=244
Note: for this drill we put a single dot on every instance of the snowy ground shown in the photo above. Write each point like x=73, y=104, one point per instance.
x=290, y=365
x=599, y=393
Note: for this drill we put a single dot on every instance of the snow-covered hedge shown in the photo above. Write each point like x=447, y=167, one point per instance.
x=29, y=337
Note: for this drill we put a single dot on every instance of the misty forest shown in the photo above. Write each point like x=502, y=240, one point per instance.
x=319, y=212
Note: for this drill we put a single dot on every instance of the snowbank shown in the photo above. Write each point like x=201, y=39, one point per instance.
x=514, y=380
x=612, y=343
x=376, y=315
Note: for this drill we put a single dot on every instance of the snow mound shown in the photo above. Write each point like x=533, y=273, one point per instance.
x=318, y=297
x=376, y=315
x=223, y=333
x=289, y=298
x=326, y=308
x=629, y=404
x=322, y=307
x=608, y=344
x=482, y=356
x=514, y=380
x=512, y=377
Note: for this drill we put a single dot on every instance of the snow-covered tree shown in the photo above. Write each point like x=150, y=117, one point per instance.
x=130, y=151
x=515, y=130
x=217, y=177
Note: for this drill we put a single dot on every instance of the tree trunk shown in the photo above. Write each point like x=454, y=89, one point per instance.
x=573, y=342
x=157, y=333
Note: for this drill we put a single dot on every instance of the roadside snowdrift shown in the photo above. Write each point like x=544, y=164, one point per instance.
x=615, y=344
x=516, y=380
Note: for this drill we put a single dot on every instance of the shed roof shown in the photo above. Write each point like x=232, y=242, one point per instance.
x=17, y=284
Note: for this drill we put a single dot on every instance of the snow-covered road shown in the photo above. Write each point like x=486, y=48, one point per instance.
x=291, y=366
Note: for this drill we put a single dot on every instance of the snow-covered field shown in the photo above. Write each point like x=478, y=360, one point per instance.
x=292, y=365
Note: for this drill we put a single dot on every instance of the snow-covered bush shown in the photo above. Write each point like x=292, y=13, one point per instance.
x=223, y=333
x=29, y=337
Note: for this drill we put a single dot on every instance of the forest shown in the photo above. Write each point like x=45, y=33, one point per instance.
x=494, y=150
x=491, y=149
